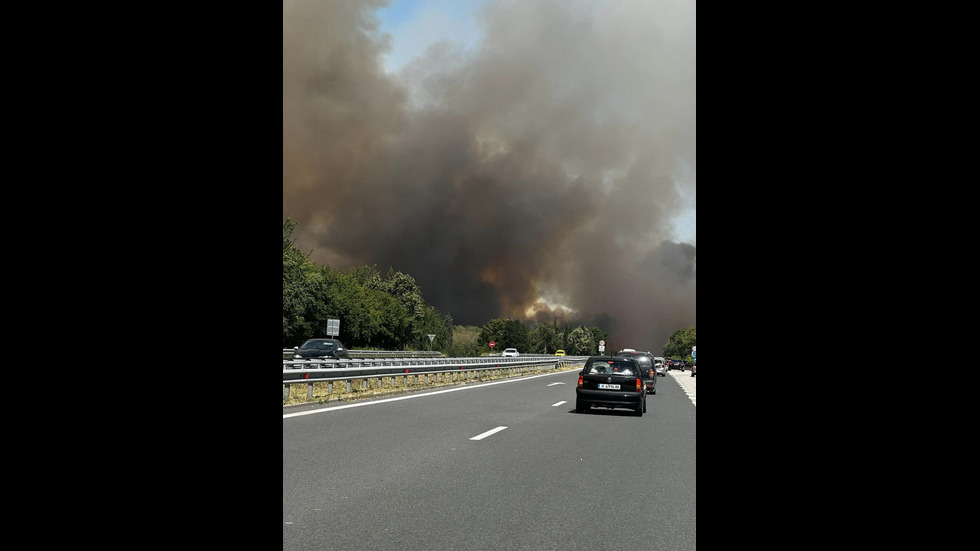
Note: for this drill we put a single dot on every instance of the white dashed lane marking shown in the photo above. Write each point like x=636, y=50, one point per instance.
x=488, y=433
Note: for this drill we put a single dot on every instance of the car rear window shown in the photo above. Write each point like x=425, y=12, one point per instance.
x=611, y=367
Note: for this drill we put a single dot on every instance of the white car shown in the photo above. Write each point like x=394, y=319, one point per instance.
x=510, y=352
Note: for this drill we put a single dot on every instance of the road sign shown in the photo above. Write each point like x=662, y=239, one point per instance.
x=602, y=343
x=492, y=344
x=431, y=336
x=602, y=348
x=333, y=327
x=694, y=353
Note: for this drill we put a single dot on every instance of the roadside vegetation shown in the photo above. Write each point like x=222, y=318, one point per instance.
x=388, y=312
x=680, y=342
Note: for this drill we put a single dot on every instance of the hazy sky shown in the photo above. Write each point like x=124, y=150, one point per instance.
x=520, y=158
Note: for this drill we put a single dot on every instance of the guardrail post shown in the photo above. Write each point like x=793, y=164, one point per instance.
x=309, y=391
x=330, y=388
x=285, y=392
x=348, y=385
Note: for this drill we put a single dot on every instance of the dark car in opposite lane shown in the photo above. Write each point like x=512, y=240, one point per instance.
x=322, y=349
x=611, y=382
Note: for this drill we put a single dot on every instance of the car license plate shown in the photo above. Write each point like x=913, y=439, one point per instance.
x=605, y=386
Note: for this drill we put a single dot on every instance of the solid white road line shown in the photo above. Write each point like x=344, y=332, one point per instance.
x=488, y=433
x=413, y=396
x=560, y=403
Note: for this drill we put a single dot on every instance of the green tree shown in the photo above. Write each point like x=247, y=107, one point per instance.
x=404, y=288
x=433, y=323
x=580, y=342
x=302, y=288
x=599, y=335
x=493, y=330
x=516, y=335
x=506, y=333
x=466, y=342
x=680, y=342
x=545, y=339
x=368, y=276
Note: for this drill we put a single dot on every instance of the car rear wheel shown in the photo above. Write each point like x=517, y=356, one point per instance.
x=580, y=407
x=640, y=408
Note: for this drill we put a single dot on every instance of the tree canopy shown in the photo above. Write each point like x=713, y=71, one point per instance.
x=389, y=312
x=680, y=342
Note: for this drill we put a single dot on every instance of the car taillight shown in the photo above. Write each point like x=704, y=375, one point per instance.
x=580, y=381
x=639, y=384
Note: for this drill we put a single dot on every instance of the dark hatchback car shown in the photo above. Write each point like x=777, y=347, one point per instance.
x=611, y=382
x=322, y=349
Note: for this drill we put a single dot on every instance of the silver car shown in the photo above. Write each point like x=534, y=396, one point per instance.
x=660, y=367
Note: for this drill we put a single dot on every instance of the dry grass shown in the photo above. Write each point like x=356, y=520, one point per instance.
x=299, y=393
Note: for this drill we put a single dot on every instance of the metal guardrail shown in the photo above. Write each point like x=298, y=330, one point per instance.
x=457, y=369
x=288, y=353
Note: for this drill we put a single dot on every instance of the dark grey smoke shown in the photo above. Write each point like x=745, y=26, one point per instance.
x=551, y=162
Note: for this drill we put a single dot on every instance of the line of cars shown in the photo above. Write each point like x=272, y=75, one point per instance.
x=620, y=381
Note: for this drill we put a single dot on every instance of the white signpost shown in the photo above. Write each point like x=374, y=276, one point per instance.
x=431, y=336
x=333, y=327
x=602, y=346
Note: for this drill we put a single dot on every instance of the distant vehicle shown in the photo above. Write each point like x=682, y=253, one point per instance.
x=559, y=353
x=322, y=349
x=511, y=353
x=659, y=366
x=611, y=382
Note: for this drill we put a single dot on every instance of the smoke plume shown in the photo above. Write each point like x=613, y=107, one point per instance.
x=537, y=175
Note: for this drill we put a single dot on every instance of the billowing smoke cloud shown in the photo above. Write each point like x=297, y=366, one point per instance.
x=536, y=176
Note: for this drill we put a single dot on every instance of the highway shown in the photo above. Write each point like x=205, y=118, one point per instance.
x=500, y=465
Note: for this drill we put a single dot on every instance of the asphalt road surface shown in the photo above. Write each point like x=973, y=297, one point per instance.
x=502, y=465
